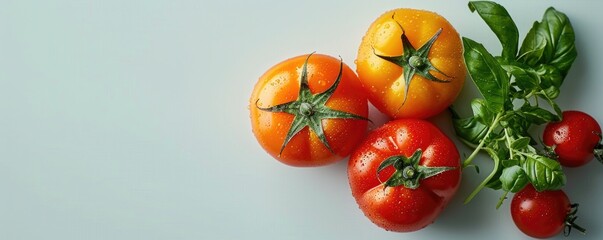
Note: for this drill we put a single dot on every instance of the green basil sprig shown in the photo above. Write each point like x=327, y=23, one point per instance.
x=518, y=89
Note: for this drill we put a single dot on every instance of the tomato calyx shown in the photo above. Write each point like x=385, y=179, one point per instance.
x=598, y=151
x=414, y=61
x=408, y=171
x=549, y=151
x=310, y=109
x=570, y=221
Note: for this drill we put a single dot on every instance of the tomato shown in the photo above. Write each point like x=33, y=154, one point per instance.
x=404, y=174
x=410, y=63
x=309, y=110
x=543, y=214
x=575, y=139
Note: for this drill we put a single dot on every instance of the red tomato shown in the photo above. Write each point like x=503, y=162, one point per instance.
x=574, y=139
x=308, y=110
x=404, y=174
x=543, y=214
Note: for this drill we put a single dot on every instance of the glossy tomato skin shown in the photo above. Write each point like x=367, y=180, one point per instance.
x=384, y=82
x=574, y=138
x=399, y=208
x=540, y=214
x=281, y=84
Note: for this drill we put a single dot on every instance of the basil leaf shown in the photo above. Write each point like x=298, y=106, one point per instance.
x=513, y=179
x=490, y=78
x=523, y=78
x=551, y=93
x=481, y=112
x=516, y=123
x=501, y=23
x=537, y=115
x=532, y=48
x=510, y=162
x=469, y=130
x=520, y=143
x=544, y=173
x=549, y=76
x=550, y=42
x=560, y=50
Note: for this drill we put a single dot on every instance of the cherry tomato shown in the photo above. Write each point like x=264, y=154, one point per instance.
x=543, y=214
x=575, y=139
x=309, y=110
x=404, y=174
x=411, y=63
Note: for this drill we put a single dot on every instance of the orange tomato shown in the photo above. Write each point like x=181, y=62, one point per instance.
x=309, y=110
x=410, y=63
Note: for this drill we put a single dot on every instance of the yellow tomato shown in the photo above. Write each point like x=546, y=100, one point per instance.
x=410, y=63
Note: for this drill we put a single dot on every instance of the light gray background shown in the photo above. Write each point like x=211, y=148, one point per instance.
x=129, y=120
